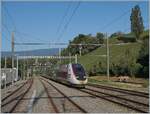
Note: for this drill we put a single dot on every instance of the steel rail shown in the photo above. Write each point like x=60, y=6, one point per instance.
x=17, y=103
x=79, y=107
x=132, y=92
x=119, y=97
x=14, y=91
x=111, y=100
x=50, y=98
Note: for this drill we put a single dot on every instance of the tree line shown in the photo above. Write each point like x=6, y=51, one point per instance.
x=83, y=39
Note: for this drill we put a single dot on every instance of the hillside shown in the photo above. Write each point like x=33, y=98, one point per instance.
x=116, y=53
x=124, y=55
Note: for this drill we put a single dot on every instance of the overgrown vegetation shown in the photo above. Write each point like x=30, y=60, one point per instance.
x=143, y=58
x=84, y=39
x=122, y=60
x=128, y=59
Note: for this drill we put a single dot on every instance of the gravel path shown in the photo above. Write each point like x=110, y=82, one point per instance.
x=123, y=95
x=11, y=88
x=36, y=100
x=62, y=103
x=9, y=103
x=91, y=104
x=140, y=89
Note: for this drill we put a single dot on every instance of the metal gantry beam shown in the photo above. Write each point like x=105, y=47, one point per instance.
x=50, y=57
x=72, y=44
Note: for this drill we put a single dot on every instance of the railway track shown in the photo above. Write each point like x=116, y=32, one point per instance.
x=10, y=102
x=50, y=98
x=129, y=82
x=132, y=104
x=132, y=92
x=65, y=96
x=14, y=91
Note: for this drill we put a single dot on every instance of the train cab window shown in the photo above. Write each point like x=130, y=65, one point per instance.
x=78, y=69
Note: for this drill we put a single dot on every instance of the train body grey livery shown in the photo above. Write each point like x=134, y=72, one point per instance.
x=70, y=74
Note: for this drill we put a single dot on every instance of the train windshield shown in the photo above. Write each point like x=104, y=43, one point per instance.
x=78, y=70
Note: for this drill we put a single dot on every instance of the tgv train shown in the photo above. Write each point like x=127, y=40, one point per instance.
x=70, y=74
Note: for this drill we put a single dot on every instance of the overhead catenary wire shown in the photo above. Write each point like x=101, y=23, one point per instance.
x=63, y=18
x=115, y=20
x=5, y=37
x=4, y=26
x=11, y=33
x=15, y=28
x=67, y=24
x=13, y=22
x=27, y=34
x=14, y=25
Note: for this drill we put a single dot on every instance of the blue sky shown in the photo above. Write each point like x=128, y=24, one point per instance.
x=39, y=21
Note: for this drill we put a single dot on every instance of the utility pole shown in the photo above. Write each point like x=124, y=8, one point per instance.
x=27, y=74
x=21, y=70
x=107, y=48
x=80, y=49
x=5, y=62
x=12, y=44
x=24, y=77
x=36, y=67
x=17, y=67
x=60, y=55
x=70, y=57
x=76, y=58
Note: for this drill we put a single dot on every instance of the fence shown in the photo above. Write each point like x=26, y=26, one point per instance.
x=8, y=76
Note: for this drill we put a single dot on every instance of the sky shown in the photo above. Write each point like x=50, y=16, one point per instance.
x=39, y=22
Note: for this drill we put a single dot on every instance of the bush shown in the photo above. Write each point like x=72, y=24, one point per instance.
x=127, y=39
x=143, y=58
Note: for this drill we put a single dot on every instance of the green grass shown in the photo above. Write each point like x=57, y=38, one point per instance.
x=113, y=40
x=117, y=84
x=109, y=83
x=146, y=83
x=144, y=34
x=116, y=52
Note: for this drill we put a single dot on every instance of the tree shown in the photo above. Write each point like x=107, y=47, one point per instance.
x=116, y=34
x=143, y=58
x=81, y=39
x=100, y=37
x=137, y=26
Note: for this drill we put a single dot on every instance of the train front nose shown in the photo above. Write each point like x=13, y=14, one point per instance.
x=79, y=74
x=81, y=77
